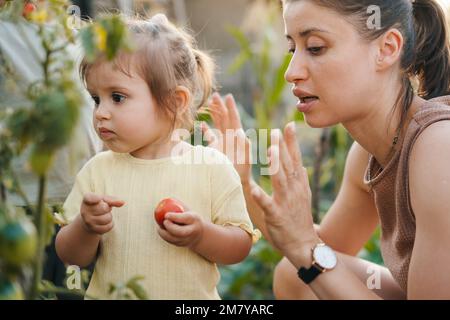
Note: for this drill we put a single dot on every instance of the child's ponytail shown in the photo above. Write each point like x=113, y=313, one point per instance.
x=205, y=70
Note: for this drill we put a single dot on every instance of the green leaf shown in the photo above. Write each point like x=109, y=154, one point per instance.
x=238, y=62
x=138, y=290
x=22, y=126
x=87, y=38
x=240, y=37
x=111, y=288
x=41, y=161
x=263, y=69
x=279, y=83
x=116, y=35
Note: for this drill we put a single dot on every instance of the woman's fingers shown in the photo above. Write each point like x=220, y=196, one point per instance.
x=209, y=135
x=277, y=174
x=243, y=148
x=293, y=146
x=262, y=199
x=285, y=158
x=219, y=112
x=216, y=117
x=232, y=112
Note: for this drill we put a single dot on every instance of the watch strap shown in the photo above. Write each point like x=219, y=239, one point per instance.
x=308, y=275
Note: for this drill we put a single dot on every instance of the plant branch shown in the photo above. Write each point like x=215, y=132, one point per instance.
x=41, y=225
x=18, y=189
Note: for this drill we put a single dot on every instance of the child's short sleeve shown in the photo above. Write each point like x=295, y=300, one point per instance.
x=83, y=184
x=228, y=202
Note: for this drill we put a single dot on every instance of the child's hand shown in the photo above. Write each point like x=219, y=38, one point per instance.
x=96, y=212
x=182, y=229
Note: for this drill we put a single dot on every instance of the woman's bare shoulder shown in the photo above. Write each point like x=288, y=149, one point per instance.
x=356, y=165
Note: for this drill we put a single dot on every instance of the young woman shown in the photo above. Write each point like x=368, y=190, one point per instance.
x=347, y=69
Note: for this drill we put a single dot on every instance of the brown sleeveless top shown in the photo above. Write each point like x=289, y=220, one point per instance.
x=390, y=189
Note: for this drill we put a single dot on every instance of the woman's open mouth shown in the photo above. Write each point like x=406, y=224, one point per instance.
x=306, y=103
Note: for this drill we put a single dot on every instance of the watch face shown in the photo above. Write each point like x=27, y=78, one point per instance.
x=325, y=256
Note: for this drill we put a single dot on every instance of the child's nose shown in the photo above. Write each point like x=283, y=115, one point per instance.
x=102, y=112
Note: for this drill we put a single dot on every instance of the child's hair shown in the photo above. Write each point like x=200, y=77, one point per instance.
x=426, y=51
x=166, y=57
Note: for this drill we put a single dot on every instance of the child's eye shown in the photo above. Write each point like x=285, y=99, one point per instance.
x=291, y=50
x=316, y=50
x=96, y=100
x=117, y=97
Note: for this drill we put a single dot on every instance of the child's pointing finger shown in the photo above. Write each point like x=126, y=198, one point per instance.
x=113, y=202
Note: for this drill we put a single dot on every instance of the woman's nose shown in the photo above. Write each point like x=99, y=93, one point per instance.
x=297, y=69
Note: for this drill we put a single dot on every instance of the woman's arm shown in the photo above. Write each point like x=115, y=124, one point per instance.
x=353, y=217
x=289, y=222
x=337, y=284
x=429, y=173
x=354, y=206
x=254, y=211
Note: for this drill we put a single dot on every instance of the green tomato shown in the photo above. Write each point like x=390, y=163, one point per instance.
x=10, y=290
x=18, y=242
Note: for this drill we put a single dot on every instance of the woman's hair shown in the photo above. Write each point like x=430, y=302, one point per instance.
x=166, y=57
x=426, y=50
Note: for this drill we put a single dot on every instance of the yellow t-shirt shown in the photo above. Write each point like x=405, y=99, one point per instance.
x=203, y=178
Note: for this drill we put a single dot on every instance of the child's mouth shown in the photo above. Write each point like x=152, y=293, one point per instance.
x=105, y=133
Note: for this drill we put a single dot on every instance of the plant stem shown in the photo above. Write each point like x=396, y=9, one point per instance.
x=41, y=213
x=41, y=225
x=2, y=192
x=18, y=190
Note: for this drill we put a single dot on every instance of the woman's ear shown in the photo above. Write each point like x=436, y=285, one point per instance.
x=183, y=98
x=390, y=47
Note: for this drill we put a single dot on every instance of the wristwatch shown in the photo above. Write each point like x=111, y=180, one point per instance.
x=324, y=259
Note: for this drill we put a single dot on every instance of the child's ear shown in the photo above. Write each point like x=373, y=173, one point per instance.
x=390, y=47
x=183, y=98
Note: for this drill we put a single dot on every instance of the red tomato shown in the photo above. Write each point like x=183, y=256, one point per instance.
x=164, y=206
x=28, y=8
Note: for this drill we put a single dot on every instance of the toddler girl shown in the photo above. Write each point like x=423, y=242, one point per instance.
x=140, y=99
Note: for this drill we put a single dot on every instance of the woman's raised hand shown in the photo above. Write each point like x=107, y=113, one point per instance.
x=287, y=212
x=229, y=137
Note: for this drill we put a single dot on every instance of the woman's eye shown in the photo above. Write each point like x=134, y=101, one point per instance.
x=316, y=50
x=96, y=100
x=117, y=97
